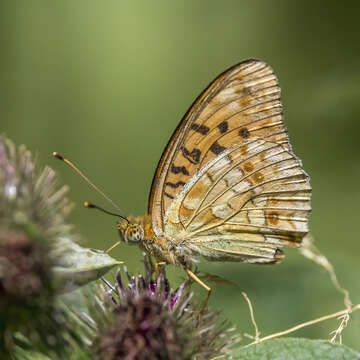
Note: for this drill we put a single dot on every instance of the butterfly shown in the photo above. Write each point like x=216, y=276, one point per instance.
x=228, y=186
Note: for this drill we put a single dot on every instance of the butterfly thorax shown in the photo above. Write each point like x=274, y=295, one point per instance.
x=139, y=231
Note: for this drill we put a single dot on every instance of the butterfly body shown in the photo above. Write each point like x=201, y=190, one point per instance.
x=170, y=251
x=228, y=186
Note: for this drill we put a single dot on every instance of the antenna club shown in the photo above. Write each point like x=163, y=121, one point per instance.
x=58, y=156
x=93, y=206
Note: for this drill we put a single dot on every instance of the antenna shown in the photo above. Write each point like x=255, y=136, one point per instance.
x=93, y=206
x=68, y=162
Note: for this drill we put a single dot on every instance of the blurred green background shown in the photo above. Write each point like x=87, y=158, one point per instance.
x=106, y=82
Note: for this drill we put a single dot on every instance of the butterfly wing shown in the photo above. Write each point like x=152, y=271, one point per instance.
x=242, y=103
x=243, y=205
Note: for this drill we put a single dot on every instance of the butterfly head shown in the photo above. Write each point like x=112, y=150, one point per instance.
x=131, y=232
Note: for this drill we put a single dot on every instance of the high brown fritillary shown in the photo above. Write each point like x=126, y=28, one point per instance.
x=228, y=186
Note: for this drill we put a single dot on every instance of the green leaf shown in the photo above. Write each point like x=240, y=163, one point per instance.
x=296, y=349
x=77, y=266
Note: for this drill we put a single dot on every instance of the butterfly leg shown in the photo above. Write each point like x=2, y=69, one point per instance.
x=157, y=264
x=113, y=246
x=208, y=289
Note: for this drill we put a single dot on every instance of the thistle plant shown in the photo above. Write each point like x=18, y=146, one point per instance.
x=146, y=319
x=32, y=217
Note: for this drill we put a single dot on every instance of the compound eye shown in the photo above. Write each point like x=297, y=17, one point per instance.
x=134, y=233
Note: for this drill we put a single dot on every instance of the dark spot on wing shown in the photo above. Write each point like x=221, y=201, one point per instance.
x=223, y=127
x=193, y=156
x=202, y=129
x=168, y=195
x=179, y=169
x=174, y=186
x=244, y=133
x=216, y=148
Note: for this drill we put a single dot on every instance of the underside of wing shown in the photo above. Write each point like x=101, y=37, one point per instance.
x=243, y=205
x=241, y=104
